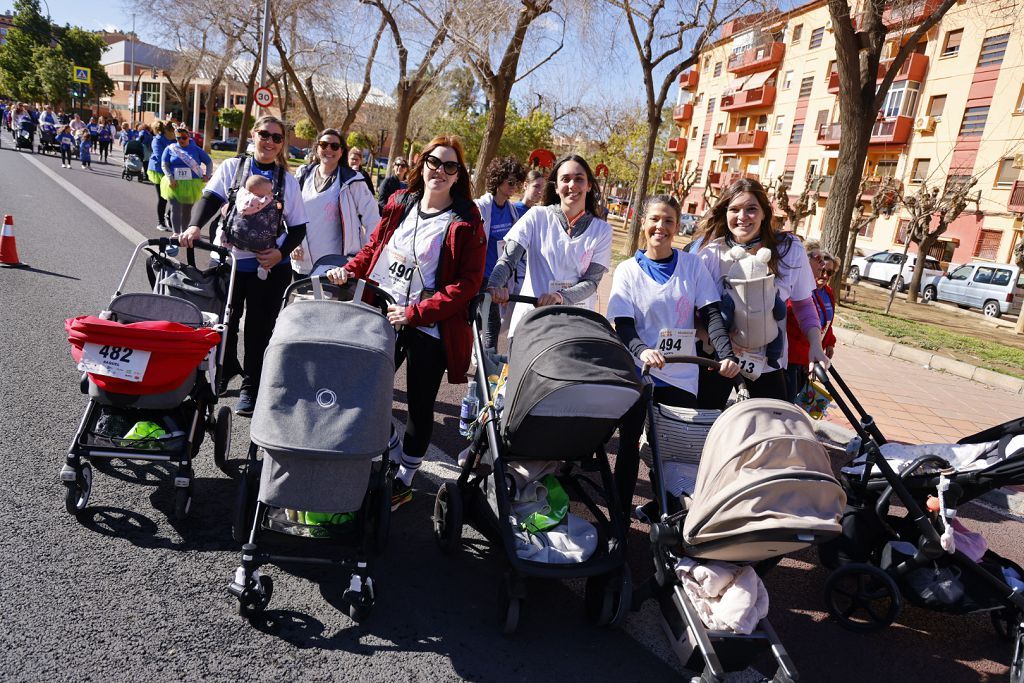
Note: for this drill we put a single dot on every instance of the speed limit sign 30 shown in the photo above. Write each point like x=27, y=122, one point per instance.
x=263, y=97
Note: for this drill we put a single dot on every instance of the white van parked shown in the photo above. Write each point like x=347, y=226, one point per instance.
x=995, y=288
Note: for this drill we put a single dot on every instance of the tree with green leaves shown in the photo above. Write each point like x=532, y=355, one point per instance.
x=30, y=30
x=522, y=133
x=230, y=118
x=53, y=75
x=83, y=48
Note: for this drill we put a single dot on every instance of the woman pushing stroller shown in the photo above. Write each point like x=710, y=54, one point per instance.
x=428, y=253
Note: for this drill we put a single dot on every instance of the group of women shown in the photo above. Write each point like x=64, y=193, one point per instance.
x=431, y=247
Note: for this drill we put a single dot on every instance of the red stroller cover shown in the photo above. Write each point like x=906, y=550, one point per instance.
x=171, y=350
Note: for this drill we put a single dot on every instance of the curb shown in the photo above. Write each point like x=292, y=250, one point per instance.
x=932, y=361
x=1004, y=499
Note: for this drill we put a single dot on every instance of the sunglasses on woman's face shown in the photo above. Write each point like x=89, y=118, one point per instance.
x=827, y=273
x=329, y=145
x=433, y=163
x=267, y=135
x=182, y=137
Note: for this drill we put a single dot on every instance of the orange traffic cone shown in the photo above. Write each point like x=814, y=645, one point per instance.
x=8, y=246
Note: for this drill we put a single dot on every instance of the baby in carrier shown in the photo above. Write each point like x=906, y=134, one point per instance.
x=751, y=305
x=252, y=199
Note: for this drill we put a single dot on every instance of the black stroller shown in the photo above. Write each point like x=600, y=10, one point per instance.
x=153, y=421
x=883, y=558
x=24, y=137
x=48, y=139
x=321, y=494
x=763, y=488
x=133, y=166
x=570, y=382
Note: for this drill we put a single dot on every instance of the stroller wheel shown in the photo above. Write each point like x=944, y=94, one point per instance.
x=447, y=517
x=182, y=502
x=77, y=495
x=509, y=606
x=862, y=597
x=360, y=605
x=222, y=438
x=255, y=599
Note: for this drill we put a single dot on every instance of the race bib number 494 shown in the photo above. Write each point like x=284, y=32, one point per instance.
x=676, y=342
x=119, y=362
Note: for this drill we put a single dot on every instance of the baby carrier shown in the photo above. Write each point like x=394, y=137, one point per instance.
x=751, y=306
x=260, y=230
x=321, y=493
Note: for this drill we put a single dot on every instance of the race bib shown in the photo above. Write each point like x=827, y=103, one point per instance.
x=676, y=342
x=114, y=361
x=182, y=174
x=751, y=364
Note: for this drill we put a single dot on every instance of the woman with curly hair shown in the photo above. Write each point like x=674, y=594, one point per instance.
x=505, y=178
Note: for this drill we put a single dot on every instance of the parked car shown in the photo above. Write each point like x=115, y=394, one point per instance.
x=995, y=288
x=225, y=145
x=297, y=152
x=688, y=223
x=889, y=267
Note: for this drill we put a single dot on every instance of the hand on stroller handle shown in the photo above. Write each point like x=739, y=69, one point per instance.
x=203, y=245
x=695, y=360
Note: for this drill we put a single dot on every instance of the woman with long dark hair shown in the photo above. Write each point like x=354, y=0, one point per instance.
x=568, y=249
x=428, y=253
x=742, y=217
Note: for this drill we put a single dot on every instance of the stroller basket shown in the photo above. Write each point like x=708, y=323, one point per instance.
x=682, y=432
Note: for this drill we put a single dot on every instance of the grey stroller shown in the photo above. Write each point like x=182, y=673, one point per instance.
x=321, y=494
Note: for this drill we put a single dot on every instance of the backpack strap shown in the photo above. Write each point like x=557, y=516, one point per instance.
x=279, y=193
x=237, y=180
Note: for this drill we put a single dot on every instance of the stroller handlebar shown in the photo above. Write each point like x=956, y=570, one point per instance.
x=198, y=244
x=353, y=290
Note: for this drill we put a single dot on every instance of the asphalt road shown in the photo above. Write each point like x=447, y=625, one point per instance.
x=128, y=595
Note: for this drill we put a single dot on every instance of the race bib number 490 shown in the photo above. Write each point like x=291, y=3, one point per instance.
x=676, y=342
x=119, y=362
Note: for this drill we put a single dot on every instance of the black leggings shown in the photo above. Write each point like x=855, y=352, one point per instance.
x=261, y=300
x=426, y=361
x=161, y=209
x=65, y=155
x=105, y=146
x=627, y=462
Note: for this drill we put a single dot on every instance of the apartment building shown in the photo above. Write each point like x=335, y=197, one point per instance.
x=763, y=102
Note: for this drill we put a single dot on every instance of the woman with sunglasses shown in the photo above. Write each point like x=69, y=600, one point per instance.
x=823, y=265
x=393, y=183
x=428, y=253
x=261, y=298
x=567, y=248
x=340, y=207
x=186, y=167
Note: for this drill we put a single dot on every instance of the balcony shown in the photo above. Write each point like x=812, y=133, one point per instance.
x=688, y=79
x=873, y=183
x=760, y=58
x=826, y=185
x=741, y=141
x=714, y=178
x=904, y=14
x=669, y=178
x=676, y=146
x=1016, y=202
x=914, y=69
x=749, y=99
x=727, y=178
x=894, y=130
x=683, y=113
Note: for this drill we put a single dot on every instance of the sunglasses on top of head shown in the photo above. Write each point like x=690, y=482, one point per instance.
x=433, y=163
x=324, y=144
x=267, y=135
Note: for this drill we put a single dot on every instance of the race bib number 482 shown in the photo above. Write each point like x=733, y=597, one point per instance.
x=119, y=362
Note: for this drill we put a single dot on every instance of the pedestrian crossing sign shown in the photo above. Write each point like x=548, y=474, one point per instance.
x=82, y=75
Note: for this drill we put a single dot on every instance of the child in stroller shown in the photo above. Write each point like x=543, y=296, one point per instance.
x=134, y=152
x=570, y=381
x=149, y=368
x=321, y=494
x=926, y=557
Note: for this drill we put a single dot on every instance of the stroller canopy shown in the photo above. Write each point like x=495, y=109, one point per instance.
x=763, y=478
x=568, y=365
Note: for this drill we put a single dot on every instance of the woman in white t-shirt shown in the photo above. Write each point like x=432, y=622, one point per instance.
x=567, y=249
x=653, y=302
x=340, y=208
x=742, y=216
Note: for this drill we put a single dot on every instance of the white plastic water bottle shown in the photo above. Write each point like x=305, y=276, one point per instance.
x=469, y=410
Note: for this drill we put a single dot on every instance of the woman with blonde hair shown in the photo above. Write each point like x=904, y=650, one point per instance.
x=163, y=135
x=259, y=296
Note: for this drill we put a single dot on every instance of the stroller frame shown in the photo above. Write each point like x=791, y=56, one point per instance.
x=1007, y=618
x=680, y=620
x=608, y=593
x=254, y=589
x=76, y=474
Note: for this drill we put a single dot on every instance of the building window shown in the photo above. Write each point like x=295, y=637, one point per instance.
x=762, y=122
x=956, y=182
x=798, y=31
x=806, y=85
x=952, y=44
x=150, y=97
x=919, y=172
x=780, y=123
x=239, y=99
x=787, y=177
x=1007, y=175
x=796, y=134
x=769, y=170
x=741, y=125
x=711, y=104
x=787, y=80
x=987, y=246
x=704, y=140
x=707, y=63
x=901, y=100
x=693, y=133
x=1020, y=101
x=993, y=49
x=936, y=105
x=718, y=129
x=974, y=121
x=718, y=69
x=867, y=230
x=886, y=168
x=901, y=232
x=817, y=35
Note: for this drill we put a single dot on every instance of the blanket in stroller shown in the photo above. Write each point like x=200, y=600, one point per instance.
x=964, y=457
x=150, y=357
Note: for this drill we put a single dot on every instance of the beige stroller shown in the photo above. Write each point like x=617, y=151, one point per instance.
x=763, y=488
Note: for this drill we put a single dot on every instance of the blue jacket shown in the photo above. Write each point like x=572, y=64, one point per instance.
x=193, y=150
x=66, y=140
x=159, y=145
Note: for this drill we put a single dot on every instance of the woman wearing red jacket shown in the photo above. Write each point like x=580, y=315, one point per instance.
x=823, y=265
x=428, y=253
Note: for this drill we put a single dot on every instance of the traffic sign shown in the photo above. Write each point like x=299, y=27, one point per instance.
x=263, y=97
x=82, y=74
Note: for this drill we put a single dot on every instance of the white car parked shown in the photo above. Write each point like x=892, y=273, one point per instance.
x=888, y=267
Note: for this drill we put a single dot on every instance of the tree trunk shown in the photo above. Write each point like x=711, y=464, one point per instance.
x=496, y=115
x=896, y=278
x=250, y=88
x=401, y=127
x=845, y=191
x=653, y=127
x=927, y=242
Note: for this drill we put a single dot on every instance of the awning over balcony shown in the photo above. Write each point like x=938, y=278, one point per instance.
x=757, y=80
